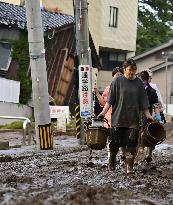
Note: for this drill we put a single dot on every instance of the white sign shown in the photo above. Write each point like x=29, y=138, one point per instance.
x=170, y=109
x=9, y=90
x=61, y=123
x=94, y=77
x=57, y=111
x=85, y=90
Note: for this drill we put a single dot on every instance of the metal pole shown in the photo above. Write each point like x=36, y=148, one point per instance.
x=39, y=75
x=166, y=79
x=82, y=43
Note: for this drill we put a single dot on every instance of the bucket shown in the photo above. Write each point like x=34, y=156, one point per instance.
x=153, y=134
x=96, y=137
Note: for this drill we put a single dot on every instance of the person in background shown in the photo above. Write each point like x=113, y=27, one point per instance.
x=116, y=72
x=103, y=98
x=151, y=92
x=154, y=86
x=157, y=116
x=153, y=99
x=128, y=99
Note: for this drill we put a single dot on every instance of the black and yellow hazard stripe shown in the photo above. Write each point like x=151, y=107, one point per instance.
x=45, y=136
x=77, y=111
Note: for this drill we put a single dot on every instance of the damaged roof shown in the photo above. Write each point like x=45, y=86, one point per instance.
x=15, y=16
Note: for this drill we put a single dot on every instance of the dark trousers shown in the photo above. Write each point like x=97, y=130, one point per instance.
x=123, y=137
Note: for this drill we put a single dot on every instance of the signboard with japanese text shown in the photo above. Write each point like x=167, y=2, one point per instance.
x=85, y=90
x=58, y=111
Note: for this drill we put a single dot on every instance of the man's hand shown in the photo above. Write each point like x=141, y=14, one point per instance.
x=95, y=90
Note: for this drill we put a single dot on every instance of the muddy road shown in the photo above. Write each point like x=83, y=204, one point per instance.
x=65, y=176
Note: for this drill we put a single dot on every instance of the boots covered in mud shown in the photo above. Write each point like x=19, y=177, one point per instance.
x=149, y=153
x=112, y=159
x=129, y=162
x=122, y=154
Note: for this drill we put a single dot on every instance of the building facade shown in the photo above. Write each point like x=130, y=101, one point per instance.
x=113, y=26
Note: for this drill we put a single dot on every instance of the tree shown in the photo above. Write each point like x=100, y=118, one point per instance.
x=154, y=23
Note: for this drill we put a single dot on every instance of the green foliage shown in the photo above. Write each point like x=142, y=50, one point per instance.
x=71, y=124
x=20, y=53
x=13, y=125
x=154, y=23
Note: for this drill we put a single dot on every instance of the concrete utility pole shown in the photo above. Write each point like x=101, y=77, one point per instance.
x=168, y=56
x=82, y=32
x=82, y=42
x=39, y=75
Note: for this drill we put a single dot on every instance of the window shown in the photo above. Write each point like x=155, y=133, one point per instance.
x=110, y=60
x=113, y=18
x=5, y=55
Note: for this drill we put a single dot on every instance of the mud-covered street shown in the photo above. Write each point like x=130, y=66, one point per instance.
x=65, y=176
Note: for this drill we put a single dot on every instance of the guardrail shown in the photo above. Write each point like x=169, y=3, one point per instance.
x=26, y=127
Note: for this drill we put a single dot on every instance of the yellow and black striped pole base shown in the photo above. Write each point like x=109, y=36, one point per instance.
x=77, y=110
x=45, y=136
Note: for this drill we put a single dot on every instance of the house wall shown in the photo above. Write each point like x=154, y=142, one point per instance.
x=9, y=33
x=124, y=36
x=12, y=109
x=147, y=62
x=103, y=82
x=98, y=11
x=152, y=60
x=60, y=63
x=159, y=76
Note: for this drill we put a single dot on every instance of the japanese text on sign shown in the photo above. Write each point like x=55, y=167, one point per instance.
x=85, y=90
x=57, y=111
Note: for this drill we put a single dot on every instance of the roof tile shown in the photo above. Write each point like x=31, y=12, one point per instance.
x=15, y=16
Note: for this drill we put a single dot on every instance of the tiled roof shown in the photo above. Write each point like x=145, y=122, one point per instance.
x=15, y=16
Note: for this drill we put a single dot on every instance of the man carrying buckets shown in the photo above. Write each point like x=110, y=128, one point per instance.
x=128, y=98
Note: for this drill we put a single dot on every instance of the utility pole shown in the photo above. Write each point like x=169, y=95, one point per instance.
x=166, y=80
x=82, y=45
x=39, y=75
x=167, y=56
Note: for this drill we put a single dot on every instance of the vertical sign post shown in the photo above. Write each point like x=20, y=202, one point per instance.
x=85, y=91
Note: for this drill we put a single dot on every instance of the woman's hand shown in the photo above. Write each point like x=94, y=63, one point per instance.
x=105, y=109
x=102, y=114
x=148, y=115
x=95, y=90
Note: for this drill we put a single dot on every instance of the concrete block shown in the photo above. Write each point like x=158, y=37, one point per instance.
x=4, y=145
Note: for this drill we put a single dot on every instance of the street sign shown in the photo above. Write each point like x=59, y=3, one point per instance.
x=57, y=111
x=85, y=90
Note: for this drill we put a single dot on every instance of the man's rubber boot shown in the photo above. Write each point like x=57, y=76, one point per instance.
x=122, y=154
x=129, y=163
x=149, y=152
x=112, y=160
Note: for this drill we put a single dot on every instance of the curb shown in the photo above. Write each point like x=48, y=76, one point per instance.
x=11, y=130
